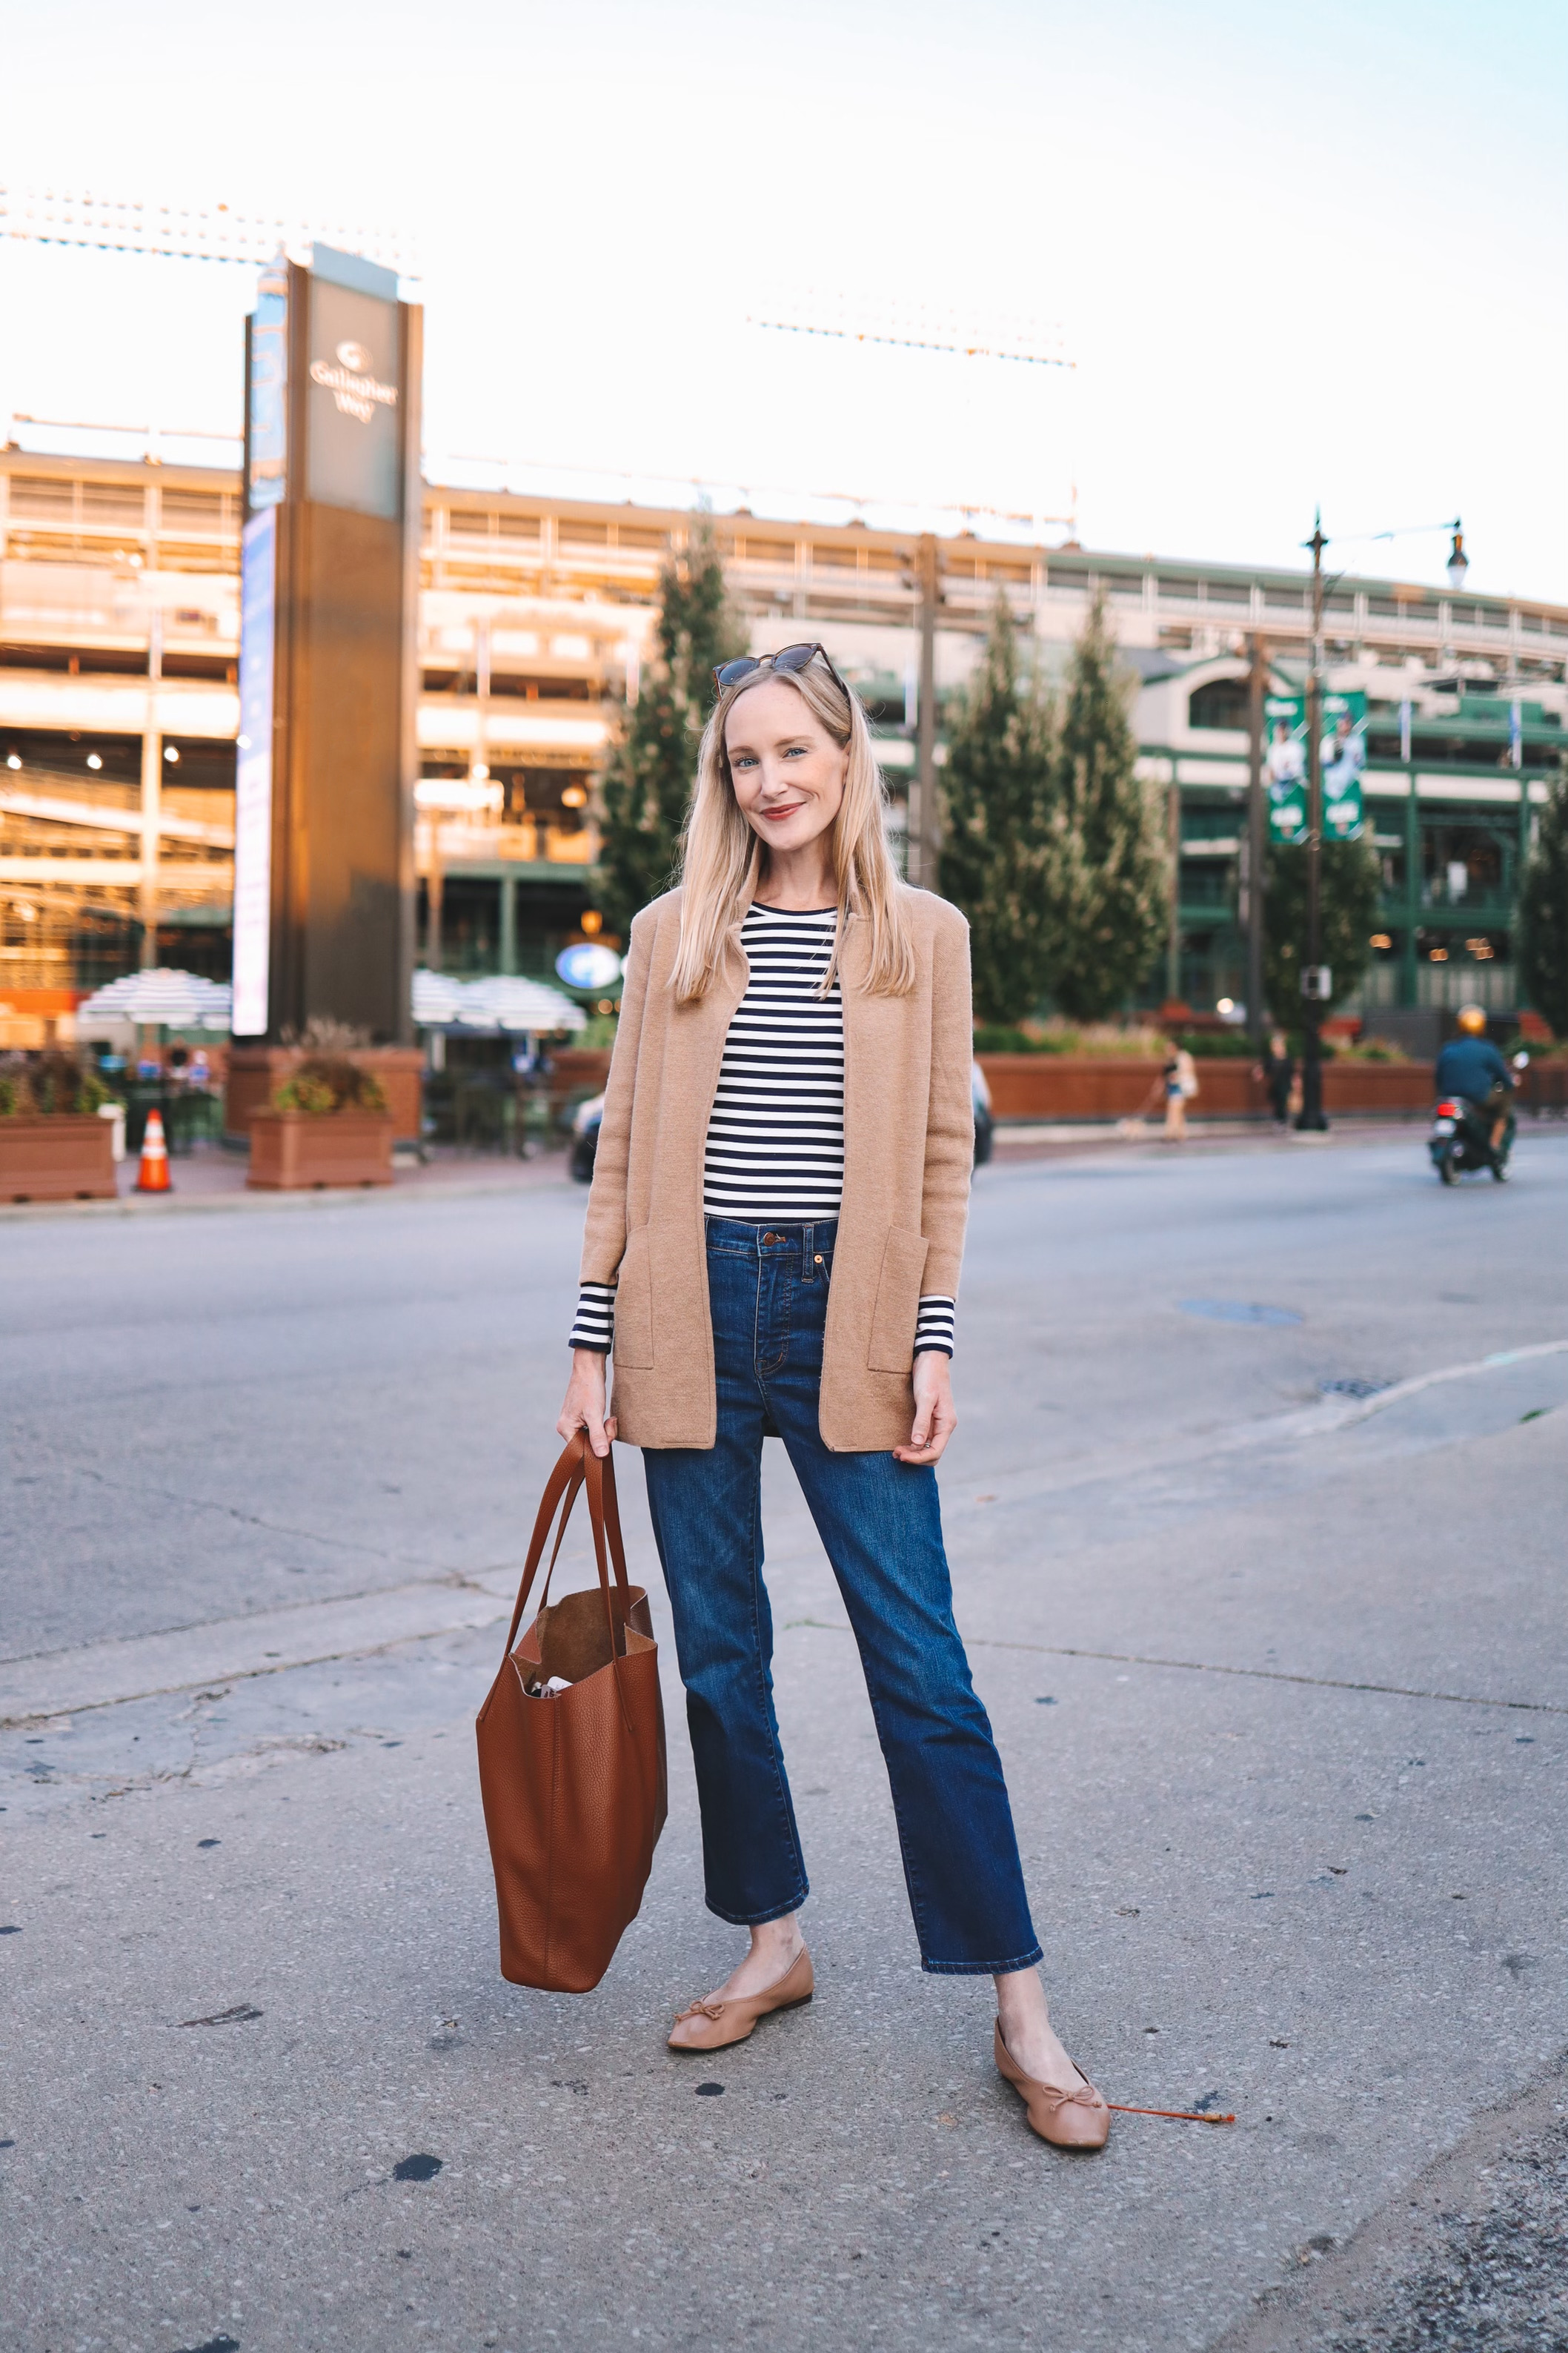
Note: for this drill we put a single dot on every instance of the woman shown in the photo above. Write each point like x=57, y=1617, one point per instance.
x=1178, y=1081
x=772, y=1244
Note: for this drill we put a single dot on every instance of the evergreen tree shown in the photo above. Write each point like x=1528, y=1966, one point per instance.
x=995, y=790
x=653, y=767
x=1107, y=872
x=1348, y=891
x=1544, y=914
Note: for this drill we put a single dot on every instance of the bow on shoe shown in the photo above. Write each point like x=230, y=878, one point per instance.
x=1085, y=2097
x=701, y=2009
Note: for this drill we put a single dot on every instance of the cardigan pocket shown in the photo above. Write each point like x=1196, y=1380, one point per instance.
x=894, y=1316
x=634, y=1306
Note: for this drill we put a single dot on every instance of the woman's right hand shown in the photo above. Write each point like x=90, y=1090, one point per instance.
x=583, y=1407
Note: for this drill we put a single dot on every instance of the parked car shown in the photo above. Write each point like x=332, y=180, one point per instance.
x=984, y=1123
x=587, y=1116
x=585, y=1121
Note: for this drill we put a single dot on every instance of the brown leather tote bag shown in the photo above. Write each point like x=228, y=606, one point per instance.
x=573, y=1781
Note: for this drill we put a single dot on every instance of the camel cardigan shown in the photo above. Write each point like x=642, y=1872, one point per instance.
x=908, y=1147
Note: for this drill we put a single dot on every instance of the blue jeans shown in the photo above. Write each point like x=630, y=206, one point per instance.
x=880, y=1524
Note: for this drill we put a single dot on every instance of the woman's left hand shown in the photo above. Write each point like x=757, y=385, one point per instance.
x=935, y=1419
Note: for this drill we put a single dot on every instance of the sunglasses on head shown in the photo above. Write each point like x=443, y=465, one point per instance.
x=790, y=658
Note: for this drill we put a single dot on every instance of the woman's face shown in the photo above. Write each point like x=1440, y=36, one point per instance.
x=787, y=771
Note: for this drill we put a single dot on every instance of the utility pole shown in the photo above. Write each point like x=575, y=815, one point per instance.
x=152, y=791
x=1316, y=978
x=1173, y=908
x=479, y=757
x=1257, y=685
x=924, y=819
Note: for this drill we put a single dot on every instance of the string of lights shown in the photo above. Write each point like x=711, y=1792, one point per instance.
x=1028, y=341
x=109, y=223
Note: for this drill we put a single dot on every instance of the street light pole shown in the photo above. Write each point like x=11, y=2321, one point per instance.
x=1256, y=821
x=924, y=836
x=152, y=791
x=1315, y=979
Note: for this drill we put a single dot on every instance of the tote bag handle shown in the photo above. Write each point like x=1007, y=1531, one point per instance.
x=578, y=1467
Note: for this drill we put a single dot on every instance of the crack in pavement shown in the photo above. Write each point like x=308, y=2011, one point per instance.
x=233, y=1512
x=1209, y=1667
x=25, y=1707
x=230, y=1650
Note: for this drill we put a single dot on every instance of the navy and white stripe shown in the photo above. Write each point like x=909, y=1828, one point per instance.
x=594, y=1325
x=775, y=1137
x=933, y=1325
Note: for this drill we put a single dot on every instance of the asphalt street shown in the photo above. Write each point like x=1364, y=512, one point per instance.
x=1255, y=1518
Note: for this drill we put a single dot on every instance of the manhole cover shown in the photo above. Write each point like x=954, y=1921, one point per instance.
x=1237, y=1311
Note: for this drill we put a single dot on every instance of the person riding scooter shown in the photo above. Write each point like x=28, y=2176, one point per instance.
x=1469, y=1066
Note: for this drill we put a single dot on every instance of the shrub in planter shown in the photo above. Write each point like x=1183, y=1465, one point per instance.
x=329, y=1124
x=997, y=1037
x=329, y=1082
x=16, y=1089
x=1216, y=1045
x=48, y=1086
x=1094, y=1038
x=53, y=1146
x=1375, y=1050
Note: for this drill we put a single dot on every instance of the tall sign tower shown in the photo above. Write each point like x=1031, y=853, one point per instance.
x=323, y=904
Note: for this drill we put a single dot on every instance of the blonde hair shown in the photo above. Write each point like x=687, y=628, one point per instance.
x=722, y=856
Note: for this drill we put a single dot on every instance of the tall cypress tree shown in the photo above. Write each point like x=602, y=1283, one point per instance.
x=648, y=784
x=995, y=790
x=1107, y=869
x=1349, y=885
x=1544, y=914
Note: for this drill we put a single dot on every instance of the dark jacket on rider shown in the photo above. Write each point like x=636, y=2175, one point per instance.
x=1471, y=1067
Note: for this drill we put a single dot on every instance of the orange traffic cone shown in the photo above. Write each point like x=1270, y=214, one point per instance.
x=152, y=1176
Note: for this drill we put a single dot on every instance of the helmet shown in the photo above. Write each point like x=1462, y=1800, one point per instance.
x=1472, y=1020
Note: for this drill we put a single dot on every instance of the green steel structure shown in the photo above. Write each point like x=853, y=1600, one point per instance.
x=1451, y=822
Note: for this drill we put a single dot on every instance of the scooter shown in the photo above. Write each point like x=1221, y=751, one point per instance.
x=1461, y=1138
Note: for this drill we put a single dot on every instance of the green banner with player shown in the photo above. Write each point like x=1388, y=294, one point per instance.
x=1343, y=753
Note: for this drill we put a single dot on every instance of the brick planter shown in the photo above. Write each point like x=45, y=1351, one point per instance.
x=1069, y=1086
x=256, y=1073
x=67, y=1157
x=575, y=1072
x=1377, y=1086
x=293, y=1151
x=1117, y=1086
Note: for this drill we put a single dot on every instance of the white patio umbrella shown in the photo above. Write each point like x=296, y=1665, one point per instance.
x=437, y=999
x=164, y=997
x=510, y=1003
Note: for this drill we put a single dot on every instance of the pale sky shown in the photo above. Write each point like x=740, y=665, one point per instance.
x=1300, y=253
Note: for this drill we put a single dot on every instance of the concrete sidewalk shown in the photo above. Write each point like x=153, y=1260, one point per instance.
x=1281, y=1687
x=211, y=1178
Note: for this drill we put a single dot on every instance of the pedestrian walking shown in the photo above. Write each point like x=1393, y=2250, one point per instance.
x=1277, y=1071
x=1175, y=1086
x=773, y=1246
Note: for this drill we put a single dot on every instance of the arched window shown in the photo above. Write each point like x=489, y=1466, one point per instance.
x=1221, y=703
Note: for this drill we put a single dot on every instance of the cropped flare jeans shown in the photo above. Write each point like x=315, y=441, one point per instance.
x=881, y=1524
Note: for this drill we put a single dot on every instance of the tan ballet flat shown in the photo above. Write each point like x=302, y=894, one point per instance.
x=1075, y=2119
x=712, y=2025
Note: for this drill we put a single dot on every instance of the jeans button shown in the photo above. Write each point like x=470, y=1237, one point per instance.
x=767, y=1239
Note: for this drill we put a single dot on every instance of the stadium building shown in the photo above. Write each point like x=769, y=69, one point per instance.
x=119, y=646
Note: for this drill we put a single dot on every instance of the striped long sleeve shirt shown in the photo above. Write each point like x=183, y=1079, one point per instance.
x=775, y=1138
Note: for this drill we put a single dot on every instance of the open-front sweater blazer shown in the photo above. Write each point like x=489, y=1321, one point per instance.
x=908, y=1147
